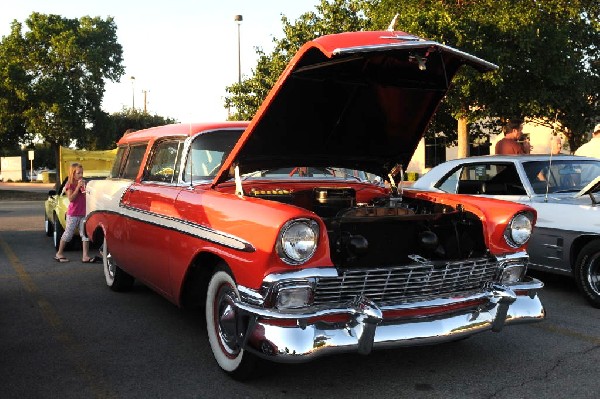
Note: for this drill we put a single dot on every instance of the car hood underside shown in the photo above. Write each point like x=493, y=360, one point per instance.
x=361, y=100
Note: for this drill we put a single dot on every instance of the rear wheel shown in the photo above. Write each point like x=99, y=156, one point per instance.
x=223, y=328
x=587, y=273
x=116, y=278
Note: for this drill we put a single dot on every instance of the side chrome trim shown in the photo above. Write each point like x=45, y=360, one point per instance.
x=486, y=65
x=183, y=227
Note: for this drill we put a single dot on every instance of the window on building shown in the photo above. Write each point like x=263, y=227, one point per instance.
x=435, y=151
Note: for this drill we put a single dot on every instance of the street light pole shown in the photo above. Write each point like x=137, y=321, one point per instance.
x=238, y=18
x=132, y=92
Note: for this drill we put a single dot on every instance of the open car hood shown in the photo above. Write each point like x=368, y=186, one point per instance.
x=592, y=188
x=359, y=100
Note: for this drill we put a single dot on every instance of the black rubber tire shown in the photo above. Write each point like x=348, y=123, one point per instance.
x=57, y=232
x=587, y=272
x=116, y=279
x=48, y=225
x=220, y=324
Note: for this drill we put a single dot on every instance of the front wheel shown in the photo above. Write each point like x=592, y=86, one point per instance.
x=587, y=273
x=223, y=328
x=48, y=227
x=116, y=278
x=57, y=232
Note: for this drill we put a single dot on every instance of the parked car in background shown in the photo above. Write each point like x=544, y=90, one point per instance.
x=281, y=229
x=564, y=191
x=96, y=165
x=55, y=211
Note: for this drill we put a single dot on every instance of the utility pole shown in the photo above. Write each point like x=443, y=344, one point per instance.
x=145, y=100
x=132, y=78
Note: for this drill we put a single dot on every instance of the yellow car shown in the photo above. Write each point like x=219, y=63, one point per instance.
x=55, y=212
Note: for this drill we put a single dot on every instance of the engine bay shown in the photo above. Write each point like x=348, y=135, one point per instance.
x=389, y=230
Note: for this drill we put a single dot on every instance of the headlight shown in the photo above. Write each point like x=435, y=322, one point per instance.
x=298, y=241
x=519, y=230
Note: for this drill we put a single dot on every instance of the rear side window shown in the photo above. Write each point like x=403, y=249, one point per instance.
x=133, y=162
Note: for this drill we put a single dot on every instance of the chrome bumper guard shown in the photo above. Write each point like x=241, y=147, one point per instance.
x=304, y=338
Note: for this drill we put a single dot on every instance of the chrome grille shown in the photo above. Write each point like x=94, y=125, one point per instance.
x=406, y=283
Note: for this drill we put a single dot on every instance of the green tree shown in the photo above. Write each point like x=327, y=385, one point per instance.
x=330, y=17
x=545, y=49
x=15, y=91
x=109, y=128
x=547, y=52
x=56, y=70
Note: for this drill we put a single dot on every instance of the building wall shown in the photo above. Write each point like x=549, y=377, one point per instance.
x=539, y=136
x=11, y=168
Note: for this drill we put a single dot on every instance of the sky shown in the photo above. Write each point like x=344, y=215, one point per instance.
x=182, y=53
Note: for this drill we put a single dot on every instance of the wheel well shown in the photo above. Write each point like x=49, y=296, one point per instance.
x=193, y=294
x=97, y=238
x=578, y=245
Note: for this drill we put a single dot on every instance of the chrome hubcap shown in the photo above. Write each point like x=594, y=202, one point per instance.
x=108, y=261
x=593, y=274
x=227, y=321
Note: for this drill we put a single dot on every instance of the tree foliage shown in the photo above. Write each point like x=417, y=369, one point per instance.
x=53, y=75
x=547, y=52
x=108, y=129
x=329, y=17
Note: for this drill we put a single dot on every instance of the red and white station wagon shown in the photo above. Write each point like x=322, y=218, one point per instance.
x=294, y=229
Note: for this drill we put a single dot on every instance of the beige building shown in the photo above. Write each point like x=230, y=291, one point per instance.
x=540, y=138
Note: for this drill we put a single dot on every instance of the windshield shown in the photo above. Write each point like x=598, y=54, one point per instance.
x=561, y=175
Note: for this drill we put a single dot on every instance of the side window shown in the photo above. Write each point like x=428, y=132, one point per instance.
x=163, y=166
x=116, y=169
x=450, y=183
x=484, y=179
x=134, y=160
x=207, y=152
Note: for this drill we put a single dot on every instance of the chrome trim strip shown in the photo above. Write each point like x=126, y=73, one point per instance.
x=181, y=226
x=333, y=272
x=189, y=228
x=416, y=45
x=302, y=274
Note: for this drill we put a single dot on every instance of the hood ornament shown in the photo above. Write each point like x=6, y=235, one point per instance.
x=392, y=27
x=392, y=24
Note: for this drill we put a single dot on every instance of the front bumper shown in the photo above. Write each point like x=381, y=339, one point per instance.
x=304, y=335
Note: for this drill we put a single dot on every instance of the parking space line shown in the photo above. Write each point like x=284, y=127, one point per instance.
x=548, y=326
x=74, y=350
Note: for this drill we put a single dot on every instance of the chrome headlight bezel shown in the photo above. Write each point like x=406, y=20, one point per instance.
x=519, y=229
x=301, y=231
x=513, y=273
x=294, y=295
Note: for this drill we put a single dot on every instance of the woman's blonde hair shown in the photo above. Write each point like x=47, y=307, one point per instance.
x=72, y=169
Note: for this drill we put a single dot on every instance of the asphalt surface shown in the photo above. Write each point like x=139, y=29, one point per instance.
x=64, y=334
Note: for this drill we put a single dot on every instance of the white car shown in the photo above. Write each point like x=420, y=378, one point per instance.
x=564, y=189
